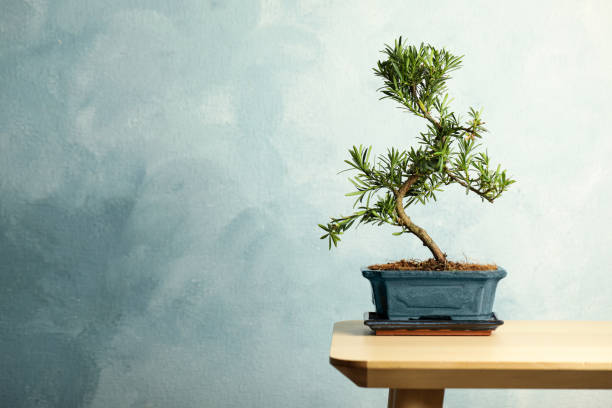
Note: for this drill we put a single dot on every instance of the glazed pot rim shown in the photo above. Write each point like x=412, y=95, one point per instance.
x=402, y=273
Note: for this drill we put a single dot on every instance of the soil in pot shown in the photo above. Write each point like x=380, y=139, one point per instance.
x=432, y=265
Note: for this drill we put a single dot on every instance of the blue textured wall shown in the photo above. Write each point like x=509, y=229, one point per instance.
x=163, y=166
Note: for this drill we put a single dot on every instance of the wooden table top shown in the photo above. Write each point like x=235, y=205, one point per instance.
x=519, y=354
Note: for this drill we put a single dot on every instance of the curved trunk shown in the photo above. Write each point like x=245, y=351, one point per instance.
x=412, y=227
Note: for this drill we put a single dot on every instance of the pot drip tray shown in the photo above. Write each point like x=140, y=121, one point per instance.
x=431, y=326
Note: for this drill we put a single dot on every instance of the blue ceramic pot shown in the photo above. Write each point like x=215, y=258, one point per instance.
x=460, y=295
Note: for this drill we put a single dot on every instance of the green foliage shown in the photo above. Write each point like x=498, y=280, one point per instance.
x=447, y=151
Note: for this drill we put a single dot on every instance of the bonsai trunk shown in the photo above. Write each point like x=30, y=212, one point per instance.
x=412, y=227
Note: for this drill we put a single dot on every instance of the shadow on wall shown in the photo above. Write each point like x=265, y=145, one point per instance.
x=126, y=219
x=45, y=369
x=70, y=274
x=56, y=301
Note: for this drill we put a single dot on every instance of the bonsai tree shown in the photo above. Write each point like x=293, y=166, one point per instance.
x=447, y=153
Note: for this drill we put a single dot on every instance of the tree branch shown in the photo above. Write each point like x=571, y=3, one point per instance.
x=405, y=220
x=467, y=130
x=469, y=187
x=426, y=114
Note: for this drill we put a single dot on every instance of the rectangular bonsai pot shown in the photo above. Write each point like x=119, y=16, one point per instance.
x=460, y=295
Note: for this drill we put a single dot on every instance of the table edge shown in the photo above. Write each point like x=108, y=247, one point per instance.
x=570, y=366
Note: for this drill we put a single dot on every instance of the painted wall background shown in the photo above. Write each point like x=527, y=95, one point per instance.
x=163, y=166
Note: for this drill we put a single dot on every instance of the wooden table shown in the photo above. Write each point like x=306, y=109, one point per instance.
x=519, y=354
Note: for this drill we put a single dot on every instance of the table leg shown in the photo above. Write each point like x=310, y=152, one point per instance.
x=403, y=398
